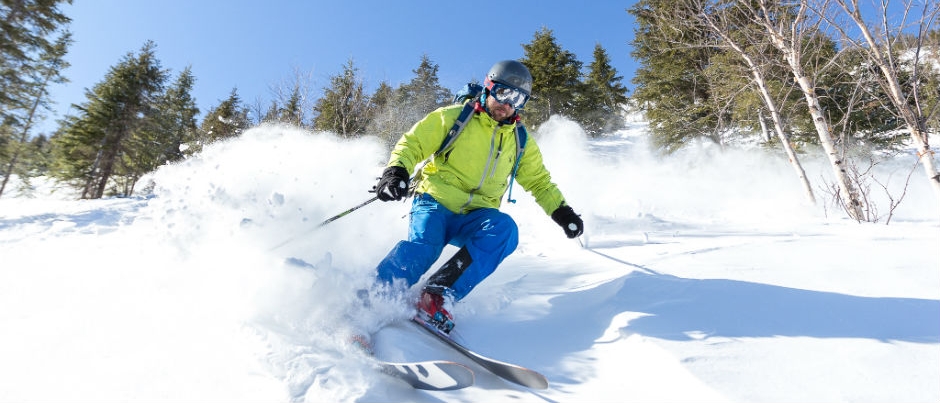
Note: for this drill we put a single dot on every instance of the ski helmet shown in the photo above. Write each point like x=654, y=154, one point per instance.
x=512, y=73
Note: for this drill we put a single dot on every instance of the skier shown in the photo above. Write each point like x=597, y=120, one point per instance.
x=458, y=193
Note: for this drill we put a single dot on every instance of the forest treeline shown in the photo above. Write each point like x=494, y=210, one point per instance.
x=855, y=80
x=141, y=116
x=798, y=75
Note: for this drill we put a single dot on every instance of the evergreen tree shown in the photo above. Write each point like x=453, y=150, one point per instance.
x=742, y=67
x=394, y=111
x=33, y=44
x=292, y=112
x=16, y=126
x=343, y=109
x=384, y=96
x=224, y=121
x=162, y=135
x=424, y=92
x=602, y=97
x=556, y=75
x=91, y=146
x=289, y=109
x=29, y=29
x=385, y=121
x=850, y=96
x=291, y=104
x=272, y=114
x=672, y=87
x=175, y=122
x=927, y=45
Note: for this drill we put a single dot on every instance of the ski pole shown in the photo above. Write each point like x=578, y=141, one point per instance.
x=328, y=220
x=338, y=216
x=343, y=214
x=374, y=198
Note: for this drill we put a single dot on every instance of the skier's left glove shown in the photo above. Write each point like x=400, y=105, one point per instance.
x=569, y=221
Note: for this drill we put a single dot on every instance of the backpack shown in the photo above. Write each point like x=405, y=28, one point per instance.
x=466, y=96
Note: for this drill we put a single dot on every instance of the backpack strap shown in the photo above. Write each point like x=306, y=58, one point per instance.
x=521, y=136
x=469, y=96
x=465, y=114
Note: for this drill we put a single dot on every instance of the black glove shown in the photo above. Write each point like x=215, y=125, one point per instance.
x=393, y=185
x=569, y=221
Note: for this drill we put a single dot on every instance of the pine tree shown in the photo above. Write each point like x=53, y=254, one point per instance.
x=33, y=44
x=289, y=108
x=424, y=92
x=602, y=97
x=292, y=112
x=291, y=103
x=394, y=111
x=385, y=122
x=227, y=120
x=343, y=109
x=272, y=114
x=160, y=135
x=556, y=75
x=91, y=146
x=15, y=147
x=672, y=87
x=173, y=126
x=28, y=30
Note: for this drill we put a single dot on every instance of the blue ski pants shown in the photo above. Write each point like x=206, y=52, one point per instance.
x=488, y=234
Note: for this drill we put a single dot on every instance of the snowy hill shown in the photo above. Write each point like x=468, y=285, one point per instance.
x=701, y=277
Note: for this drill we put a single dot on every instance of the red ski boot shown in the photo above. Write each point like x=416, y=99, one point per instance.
x=431, y=310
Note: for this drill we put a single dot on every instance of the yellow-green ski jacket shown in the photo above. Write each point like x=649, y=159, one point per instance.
x=474, y=172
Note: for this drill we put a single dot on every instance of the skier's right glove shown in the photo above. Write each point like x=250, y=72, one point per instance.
x=569, y=221
x=393, y=185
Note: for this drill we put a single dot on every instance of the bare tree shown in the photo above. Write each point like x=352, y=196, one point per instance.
x=747, y=47
x=256, y=110
x=292, y=100
x=789, y=32
x=863, y=177
x=880, y=43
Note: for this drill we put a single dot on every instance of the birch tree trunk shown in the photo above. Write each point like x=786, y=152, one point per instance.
x=758, y=77
x=764, y=131
x=881, y=54
x=775, y=118
x=789, y=45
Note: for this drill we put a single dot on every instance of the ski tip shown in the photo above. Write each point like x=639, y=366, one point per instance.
x=510, y=372
x=540, y=384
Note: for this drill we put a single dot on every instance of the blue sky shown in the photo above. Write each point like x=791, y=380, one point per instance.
x=256, y=45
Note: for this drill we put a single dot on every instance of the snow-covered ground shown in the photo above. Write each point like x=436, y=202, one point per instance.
x=701, y=277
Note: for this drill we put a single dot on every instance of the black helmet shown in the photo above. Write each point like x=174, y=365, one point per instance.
x=513, y=73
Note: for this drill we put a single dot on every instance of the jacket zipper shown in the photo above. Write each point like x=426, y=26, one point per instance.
x=490, y=164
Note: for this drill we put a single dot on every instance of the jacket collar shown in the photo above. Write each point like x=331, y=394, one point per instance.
x=479, y=108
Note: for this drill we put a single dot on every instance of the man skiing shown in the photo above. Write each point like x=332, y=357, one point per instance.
x=459, y=191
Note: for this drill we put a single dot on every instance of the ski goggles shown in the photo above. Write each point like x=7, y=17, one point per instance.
x=511, y=96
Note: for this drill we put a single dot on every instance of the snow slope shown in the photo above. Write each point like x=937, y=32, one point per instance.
x=701, y=277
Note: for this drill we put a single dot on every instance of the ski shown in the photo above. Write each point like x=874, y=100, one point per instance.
x=510, y=372
x=424, y=375
x=430, y=375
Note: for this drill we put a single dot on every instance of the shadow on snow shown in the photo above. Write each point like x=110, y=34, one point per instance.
x=681, y=309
